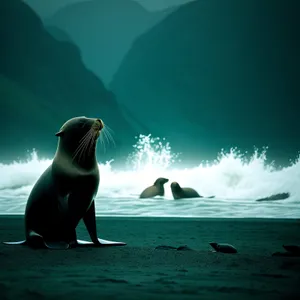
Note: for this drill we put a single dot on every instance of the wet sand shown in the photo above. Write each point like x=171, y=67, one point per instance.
x=139, y=271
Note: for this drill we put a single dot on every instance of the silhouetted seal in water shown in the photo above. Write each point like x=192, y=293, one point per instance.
x=64, y=194
x=179, y=192
x=157, y=189
x=224, y=248
x=275, y=197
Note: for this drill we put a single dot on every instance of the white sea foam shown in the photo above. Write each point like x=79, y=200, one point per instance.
x=235, y=181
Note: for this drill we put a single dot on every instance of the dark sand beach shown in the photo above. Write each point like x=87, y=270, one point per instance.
x=139, y=271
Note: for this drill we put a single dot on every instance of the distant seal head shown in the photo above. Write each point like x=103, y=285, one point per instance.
x=65, y=192
x=157, y=189
x=179, y=192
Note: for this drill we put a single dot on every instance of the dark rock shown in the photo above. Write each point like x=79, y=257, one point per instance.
x=292, y=248
x=184, y=248
x=224, y=248
x=275, y=197
x=163, y=247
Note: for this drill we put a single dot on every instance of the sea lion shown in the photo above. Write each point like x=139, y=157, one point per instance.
x=64, y=194
x=222, y=247
x=157, y=189
x=179, y=192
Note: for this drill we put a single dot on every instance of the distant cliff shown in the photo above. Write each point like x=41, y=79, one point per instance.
x=46, y=8
x=218, y=74
x=43, y=83
x=104, y=30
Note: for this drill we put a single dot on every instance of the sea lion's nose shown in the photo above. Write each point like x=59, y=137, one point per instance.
x=100, y=123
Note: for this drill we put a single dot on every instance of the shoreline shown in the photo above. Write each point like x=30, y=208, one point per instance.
x=172, y=218
x=141, y=271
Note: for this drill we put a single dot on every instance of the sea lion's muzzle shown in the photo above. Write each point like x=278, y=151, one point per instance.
x=98, y=125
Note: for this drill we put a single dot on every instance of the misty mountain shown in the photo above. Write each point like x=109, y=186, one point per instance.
x=43, y=83
x=46, y=8
x=104, y=30
x=218, y=74
x=161, y=5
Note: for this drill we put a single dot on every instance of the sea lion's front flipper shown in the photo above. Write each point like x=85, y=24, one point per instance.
x=81, y=242
x=101, y=243
x=15, y=243
x=110, y=243
x=89, y=220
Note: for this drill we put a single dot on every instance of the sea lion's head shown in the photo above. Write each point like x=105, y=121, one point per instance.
x=78, y=137
x=160, y=181
x=215, y=246
x=175, y=186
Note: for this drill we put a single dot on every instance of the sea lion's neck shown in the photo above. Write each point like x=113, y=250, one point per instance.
x=85, y=161
x=161, y=190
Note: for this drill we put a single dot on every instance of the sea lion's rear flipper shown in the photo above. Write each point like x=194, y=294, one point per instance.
x=15, y=243
x=36, y=240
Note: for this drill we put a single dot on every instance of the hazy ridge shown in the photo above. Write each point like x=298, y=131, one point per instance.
x=218, y=74
x=104, y=30
x=44, y=83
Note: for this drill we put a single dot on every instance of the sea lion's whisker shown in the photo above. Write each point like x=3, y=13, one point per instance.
x=92, y=143
x=79, y=151
x=109, y=136
x=81, y=145
x=86, y=146
x=102, y=142
x=108, y=128
x=105, y=138
x=107, y=132
x=85, y=136
x=82, y=140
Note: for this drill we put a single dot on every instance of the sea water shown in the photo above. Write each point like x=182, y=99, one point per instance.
x=234, y=180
